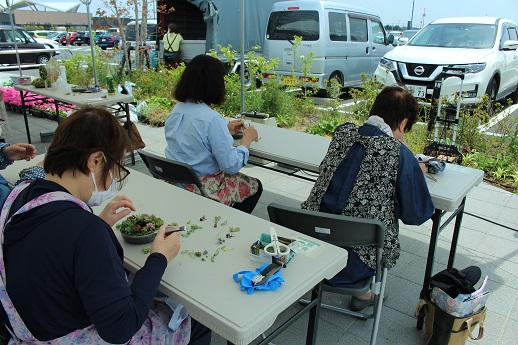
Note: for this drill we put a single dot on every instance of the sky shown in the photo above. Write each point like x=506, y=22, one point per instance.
x=398, y=12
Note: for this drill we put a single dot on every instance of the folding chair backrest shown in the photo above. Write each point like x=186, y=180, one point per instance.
x=335, y=229
x=170, y=170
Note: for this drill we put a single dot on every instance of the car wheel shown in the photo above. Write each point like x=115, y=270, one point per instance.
x=514, y=96
x=492, y=91
x=337, y=91
x=42, y=59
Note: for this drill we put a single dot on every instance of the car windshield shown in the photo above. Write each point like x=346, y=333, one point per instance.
x=408, y=33
x=456, y=35
x=284, y=25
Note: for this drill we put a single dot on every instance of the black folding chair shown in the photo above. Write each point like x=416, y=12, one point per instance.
x=170, y=170
x=342, y=231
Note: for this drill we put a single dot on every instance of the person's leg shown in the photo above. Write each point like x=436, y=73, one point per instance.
x=354, y=272
x=249, y=203
x=200, y=335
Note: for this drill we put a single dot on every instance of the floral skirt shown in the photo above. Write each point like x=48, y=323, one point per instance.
x=227, y=188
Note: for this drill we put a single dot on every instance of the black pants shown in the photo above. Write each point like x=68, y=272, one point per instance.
x=248, y=204
x=200, y=335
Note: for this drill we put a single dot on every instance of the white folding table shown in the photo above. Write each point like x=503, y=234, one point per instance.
x=206, y=288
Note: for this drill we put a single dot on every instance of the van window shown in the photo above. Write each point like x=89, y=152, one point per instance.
x=337, y=27
x=359, y=31
x=283, y=25
x=377, y=32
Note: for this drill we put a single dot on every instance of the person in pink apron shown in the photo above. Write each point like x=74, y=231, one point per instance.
x=62, y=279
x=198, y=135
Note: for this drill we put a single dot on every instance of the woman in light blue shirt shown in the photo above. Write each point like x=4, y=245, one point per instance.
x=198, y=135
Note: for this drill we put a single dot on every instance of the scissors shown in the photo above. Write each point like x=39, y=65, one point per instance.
x=276, y=248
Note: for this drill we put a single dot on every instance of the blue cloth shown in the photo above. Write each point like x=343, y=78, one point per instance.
x=64, y=271
x=199, y=136
x=412, y=199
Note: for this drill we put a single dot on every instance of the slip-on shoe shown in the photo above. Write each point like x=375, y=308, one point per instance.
x=358, y=304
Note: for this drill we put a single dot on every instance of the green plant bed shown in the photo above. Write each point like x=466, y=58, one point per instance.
x=38, y=113
x=52, y=117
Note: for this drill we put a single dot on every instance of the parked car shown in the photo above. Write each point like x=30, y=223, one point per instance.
x=81, y=38
x=346, y=42
x=396, y=34
x=108, y=41
x=40, y=33
x=56, y=36
x=484, y=48
x=29, y=50
x=63, y=39
x=406, y=36
x=48, y=43
x=99, y=33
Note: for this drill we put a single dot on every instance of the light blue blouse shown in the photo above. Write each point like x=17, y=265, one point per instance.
x=199, y=136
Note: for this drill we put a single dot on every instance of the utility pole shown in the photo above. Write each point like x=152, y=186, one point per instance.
x=87, y=3
x=410, y=24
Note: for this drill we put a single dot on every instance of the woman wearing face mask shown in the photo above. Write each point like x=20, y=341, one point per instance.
x=63, y=271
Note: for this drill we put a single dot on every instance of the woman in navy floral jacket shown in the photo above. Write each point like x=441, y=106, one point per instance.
x=369, y=173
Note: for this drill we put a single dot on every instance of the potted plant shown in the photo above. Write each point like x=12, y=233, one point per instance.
x=140, y=229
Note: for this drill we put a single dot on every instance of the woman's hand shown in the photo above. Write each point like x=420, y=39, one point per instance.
x=169, y=246
x=249, y=135
x=236, y=126
x=18, y=152
x=111, y=215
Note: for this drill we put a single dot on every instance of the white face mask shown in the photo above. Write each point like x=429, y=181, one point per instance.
x=97, y=197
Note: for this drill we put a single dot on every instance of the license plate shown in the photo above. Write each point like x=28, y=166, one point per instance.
x=103, y=40
x=417, y=91
x=288, y=80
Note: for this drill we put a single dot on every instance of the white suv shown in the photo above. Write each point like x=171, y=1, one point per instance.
x=484, y=48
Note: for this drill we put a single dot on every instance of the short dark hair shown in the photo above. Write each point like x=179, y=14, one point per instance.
x=202, y=81
x=393, y=105
x=172, y=27
x=84, y=132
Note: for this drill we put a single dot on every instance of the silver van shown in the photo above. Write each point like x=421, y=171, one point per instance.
x=346, y=40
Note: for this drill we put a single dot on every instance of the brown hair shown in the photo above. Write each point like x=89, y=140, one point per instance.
x=202, y=81
x=393, y=105
x=84, y=132
x=172, y=27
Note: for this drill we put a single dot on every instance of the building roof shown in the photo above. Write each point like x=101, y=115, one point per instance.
x=72, y=6
x=50, y=18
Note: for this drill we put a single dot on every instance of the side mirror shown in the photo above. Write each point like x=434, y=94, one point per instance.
x=402, y=41
x=390, y=39
x=510, y=45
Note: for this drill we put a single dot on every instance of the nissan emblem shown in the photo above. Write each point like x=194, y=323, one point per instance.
x=419, y=70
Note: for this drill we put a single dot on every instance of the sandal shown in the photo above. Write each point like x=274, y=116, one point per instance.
x=358, y=304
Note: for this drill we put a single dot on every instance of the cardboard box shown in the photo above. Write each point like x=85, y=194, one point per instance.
x=258, y=254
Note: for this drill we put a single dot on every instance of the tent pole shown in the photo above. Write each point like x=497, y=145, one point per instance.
x=242, y=69
x=14, y=37
x=92, y=51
